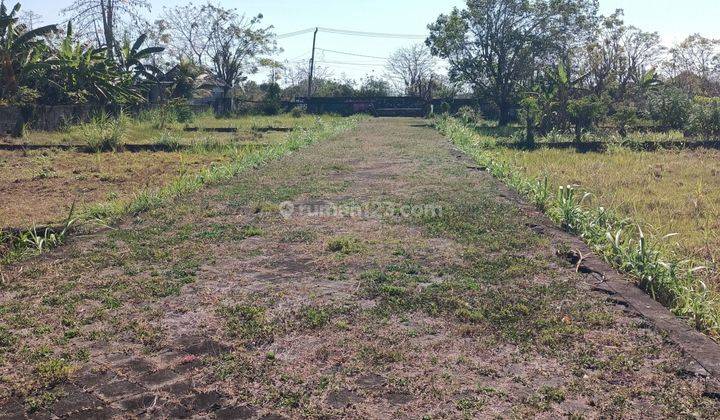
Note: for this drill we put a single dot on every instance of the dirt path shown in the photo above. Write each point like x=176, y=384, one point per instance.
x=373, y=275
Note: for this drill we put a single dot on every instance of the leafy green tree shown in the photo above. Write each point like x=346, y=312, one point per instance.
x=497, y=45
x=374, y=86
x=704, y=117
x=83, y=74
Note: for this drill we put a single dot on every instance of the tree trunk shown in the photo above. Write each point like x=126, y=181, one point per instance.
x=107, y=14
x=529, y=131
x=578, y=132
x=503, y=114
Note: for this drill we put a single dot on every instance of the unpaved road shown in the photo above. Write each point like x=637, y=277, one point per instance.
x=372, y=275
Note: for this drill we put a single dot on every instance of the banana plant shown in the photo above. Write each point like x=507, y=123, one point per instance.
x=131, y=58
x=554, y=95
x=20, y=49
x=85, y=73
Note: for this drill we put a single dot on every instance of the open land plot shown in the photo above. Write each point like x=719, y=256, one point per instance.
x=38, y=186
x=238, y=301
x=667, y=191
x=149, y=130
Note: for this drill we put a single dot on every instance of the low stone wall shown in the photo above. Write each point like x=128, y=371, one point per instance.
x=10, y=117
x=383, y=105
x=46, y=118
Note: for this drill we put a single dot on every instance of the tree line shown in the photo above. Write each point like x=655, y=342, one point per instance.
x=565, y=66
x=101, y=55
x=555, y=64
x=109, y=53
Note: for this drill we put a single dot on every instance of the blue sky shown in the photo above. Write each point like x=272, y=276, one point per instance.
x=673, y=19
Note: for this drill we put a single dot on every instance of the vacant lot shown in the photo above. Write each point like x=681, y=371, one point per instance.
x=39, y=185
x=235, y=303
x=669, y=191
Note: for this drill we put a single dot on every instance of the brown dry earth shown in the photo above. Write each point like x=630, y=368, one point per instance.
x=228, y=305
x=40, y=186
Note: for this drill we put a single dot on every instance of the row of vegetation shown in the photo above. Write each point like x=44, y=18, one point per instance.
x=47, y=66
x=102, y=57
x=620, y=240
x=561, y=67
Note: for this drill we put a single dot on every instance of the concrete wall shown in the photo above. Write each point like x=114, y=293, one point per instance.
x=47, y=118
x=10, y=116
x=382, y=105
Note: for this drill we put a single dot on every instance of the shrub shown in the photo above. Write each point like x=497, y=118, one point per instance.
x=444, y=108
x=104, y=133
x=183, y=112
x=468, y=115
x=670, y=107
x=176, y=110
x=297, y=112
x=584, y=112
x=272, y=104
x=530, y=114
x=168, y=141
x=625, y=116
x=704, y=119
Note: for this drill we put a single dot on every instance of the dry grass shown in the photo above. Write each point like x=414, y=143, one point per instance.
x=669, y=191
x=39, y=186
x=147, y=131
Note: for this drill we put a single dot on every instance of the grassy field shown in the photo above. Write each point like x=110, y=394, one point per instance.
x=668, y=191
x=148, y=129
x=38, y=186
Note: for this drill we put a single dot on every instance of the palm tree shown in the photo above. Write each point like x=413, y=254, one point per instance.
x=20, y=49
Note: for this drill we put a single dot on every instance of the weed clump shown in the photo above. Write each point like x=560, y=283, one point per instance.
x=248, y=322
x=104, y=133
x=344, y=245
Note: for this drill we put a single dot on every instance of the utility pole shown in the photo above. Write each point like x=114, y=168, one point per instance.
x=312, y=65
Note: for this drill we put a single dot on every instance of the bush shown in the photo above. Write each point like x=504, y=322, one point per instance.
x=625, y=116
x=704, y=117
x=530, y=114
x=168, y=141
x=272, y=103
x=104, y=133
x=468, y=115
x=585, y=112
x=297, y=112
x=444, y=108
x=183, y=112
x=670, y=107
x=176, y=110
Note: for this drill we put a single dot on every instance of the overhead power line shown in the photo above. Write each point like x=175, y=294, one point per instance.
x=352, y=54
x=296, y=33
x=371, y=34
x=351, y=33
x=345, y=63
